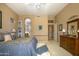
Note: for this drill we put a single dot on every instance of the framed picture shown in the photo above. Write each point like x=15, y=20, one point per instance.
x=40, y=27
x=0, y=19
x=60, y=27
x=11, y=20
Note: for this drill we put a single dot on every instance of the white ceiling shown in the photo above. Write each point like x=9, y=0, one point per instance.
x=30, y=9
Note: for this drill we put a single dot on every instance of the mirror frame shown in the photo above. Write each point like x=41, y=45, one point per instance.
x=76, y=20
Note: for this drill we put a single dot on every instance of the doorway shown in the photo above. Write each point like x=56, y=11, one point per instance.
x=50, y=32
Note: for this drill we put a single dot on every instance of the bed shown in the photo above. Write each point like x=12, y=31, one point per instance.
x=23, y=47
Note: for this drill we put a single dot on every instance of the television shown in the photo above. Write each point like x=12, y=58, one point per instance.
x=0, y=19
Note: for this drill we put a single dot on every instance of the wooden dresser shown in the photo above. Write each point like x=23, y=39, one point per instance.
x=71, y=44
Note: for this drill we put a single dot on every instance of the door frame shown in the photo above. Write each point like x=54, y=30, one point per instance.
x=51, y=25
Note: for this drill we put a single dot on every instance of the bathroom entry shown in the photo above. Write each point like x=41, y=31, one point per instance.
x=50, y=32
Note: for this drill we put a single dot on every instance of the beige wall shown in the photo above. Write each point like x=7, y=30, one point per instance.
x=36, y=21
x=63, y=17
x=6, y=14
x=42, y=35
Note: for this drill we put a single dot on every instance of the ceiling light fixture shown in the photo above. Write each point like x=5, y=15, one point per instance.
x=36, y=5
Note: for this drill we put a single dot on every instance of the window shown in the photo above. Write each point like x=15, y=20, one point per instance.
x=27, y=25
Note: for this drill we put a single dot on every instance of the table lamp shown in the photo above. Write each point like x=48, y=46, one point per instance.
x=63, y=31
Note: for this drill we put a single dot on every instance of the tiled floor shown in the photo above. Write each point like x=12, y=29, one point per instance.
x=56, y=50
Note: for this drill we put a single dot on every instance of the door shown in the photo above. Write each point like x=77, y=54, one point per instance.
x=50, y=32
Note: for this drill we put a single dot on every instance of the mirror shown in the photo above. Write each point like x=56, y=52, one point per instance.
x=72, y=27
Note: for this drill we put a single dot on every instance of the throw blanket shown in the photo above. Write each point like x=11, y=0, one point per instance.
x=22, y=47
x=18, y=48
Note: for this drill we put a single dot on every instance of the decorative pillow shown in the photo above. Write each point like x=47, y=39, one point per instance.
x=7, y=37
x=42, y=49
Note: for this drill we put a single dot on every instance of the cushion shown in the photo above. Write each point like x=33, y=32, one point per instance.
x=7, y=37
x=42, y=49
x=45, y=53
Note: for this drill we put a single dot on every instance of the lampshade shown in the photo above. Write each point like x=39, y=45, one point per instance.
x=13, y=30
x=26, y=32
x=78, y=30
x=63, y=30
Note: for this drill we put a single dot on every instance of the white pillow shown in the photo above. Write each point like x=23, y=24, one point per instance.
x=7, y=37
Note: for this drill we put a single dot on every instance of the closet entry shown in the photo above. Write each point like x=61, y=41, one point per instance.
x=50, y=32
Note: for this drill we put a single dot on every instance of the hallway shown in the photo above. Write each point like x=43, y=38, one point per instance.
x=56, y=50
